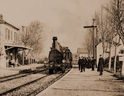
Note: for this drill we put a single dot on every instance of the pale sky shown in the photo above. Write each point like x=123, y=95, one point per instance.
x=62, y=18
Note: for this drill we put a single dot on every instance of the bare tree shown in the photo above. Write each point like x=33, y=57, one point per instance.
x=89, y=43
x=119, y=18
x=110, y=25
x=106, y=28
x=33, y=37
x=102, y=27
x=116, y=20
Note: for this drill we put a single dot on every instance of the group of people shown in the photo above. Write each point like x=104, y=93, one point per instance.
x=13, y=63
x=84, y=62
x=88, y=62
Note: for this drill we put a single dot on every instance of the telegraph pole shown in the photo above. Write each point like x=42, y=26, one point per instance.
x=93, y=27
x=93, y=40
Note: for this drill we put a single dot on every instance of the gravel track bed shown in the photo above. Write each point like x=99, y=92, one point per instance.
x=36, y=87
x=2, y=77
x=5, y=86
x=16, y=76
x=32, y=87
x=13, y=77
x=19, y=75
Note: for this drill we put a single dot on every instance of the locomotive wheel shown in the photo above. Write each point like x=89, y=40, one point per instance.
x=54, y=71
x=63, y=70
x=50, y=71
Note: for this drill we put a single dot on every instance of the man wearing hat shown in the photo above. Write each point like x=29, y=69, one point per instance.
x=100, y=65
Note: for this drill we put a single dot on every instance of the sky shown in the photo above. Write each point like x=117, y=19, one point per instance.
x=62, y=18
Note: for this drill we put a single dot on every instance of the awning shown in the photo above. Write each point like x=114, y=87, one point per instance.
x=17, y=46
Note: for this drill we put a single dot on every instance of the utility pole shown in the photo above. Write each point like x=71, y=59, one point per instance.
x=93, y=41
x=93, y=27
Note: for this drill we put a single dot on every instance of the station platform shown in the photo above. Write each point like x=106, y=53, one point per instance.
x=15, y=70
x=88, y=83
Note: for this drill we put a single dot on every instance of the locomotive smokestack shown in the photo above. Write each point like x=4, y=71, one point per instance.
x=54, y=40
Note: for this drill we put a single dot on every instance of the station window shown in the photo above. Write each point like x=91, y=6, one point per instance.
x=15, y=36
x=9, y=34
x=6, y=34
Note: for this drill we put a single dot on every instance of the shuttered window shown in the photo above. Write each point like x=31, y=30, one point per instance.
x=9, y=34
x=6, y=34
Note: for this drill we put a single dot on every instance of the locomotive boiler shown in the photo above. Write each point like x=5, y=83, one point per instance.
x=59, y=57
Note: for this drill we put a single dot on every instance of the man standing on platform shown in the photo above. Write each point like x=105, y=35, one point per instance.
x=79, y=63
x=93, y=63
x=82, y=64
x=100, y=65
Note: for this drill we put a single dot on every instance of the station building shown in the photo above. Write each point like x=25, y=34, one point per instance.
x=11, y=47
x=82, y=52
x=116, y=50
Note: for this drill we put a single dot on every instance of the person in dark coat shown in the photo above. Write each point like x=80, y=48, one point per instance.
x=79, y=63
x=82, y=64
x=88, y=63
x=85, y=62
x=100, y=65
x=93, y=63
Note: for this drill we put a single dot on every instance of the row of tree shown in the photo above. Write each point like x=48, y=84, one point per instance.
x=109, y=21
x=32, y=37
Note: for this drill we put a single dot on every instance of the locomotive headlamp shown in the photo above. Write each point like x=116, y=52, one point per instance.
x=63, y=61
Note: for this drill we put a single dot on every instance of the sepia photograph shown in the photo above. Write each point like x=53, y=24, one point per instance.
x=61, y=47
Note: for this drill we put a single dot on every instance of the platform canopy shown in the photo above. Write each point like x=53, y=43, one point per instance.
x=8, y=47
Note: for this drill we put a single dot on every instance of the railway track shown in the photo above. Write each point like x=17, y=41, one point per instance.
x=20, y=75
x=13, y=77
x=41, y=82
x=9, y=76
x=35, y=92
x=18, y=87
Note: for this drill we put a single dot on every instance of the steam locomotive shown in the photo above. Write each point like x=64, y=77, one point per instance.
x=59, y=57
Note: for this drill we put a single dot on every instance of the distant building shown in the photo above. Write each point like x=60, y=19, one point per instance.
x=75, y=58
x=11, y=48
x=116, y=49
x=82, y=52
x=116, y=45
x=99, y=52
